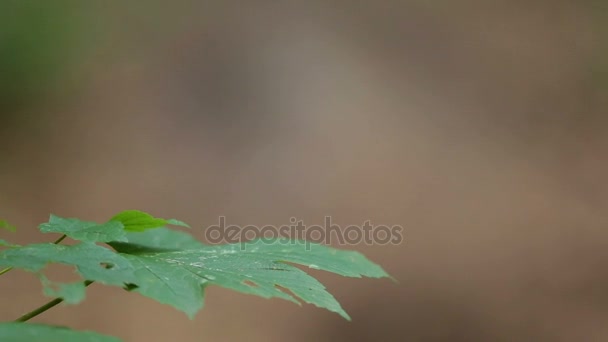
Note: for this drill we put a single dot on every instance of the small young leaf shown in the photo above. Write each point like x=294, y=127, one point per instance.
x=138, y=221
x=7, y=226
x=92, y=262
x=258, y=267
x=28, y=332
x=83, y=230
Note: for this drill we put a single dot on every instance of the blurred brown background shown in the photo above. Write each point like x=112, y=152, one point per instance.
x=478, y=126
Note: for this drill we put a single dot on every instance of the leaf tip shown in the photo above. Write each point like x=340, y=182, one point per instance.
x=179, y=223
x=7, y=226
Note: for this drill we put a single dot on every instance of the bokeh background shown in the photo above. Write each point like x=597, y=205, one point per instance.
x=480, y=127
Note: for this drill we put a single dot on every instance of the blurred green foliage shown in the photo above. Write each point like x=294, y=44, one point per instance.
x=599, y=66
x=38, y=40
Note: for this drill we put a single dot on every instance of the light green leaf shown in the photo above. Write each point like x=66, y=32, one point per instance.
x=138, y=221
x=72, y=293
x=7, y=226
x=259, y=267
x=83, y=230
x=92, y=262
x=28, y=332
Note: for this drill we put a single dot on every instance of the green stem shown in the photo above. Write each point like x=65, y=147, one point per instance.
x=45, y=307
x=5, y=270
x=56, y=242
x=40, y=310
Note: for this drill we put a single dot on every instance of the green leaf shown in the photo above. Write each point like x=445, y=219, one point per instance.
x=72, y=293
x=164, y=238
x=167, y=283
x=259, y=267
x=83, y=230
x=28, y=332
x=7, y=226
x=173, y=267
x=138, y=221
x=92, y=262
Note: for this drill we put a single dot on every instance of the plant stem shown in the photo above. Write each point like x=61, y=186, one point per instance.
x=40, y=310
x=60, y=239
x=56, y=242
x=45, y=307
x=5, y=270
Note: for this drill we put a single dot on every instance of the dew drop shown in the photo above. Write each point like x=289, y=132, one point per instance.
x=314, y=267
